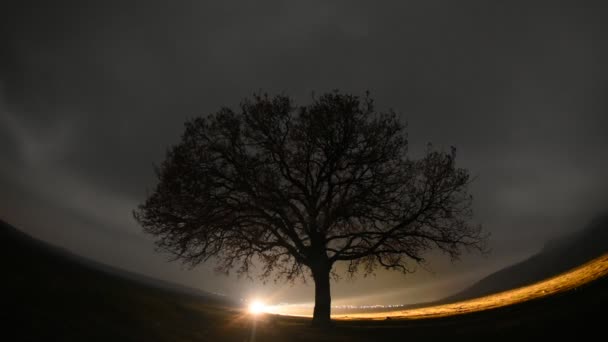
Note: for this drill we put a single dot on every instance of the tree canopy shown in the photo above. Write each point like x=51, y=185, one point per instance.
x=297, y=189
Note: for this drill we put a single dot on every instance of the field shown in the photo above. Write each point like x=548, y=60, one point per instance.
x=571, y=280
x=50, y=298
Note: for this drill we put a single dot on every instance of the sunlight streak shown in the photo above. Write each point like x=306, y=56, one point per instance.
x=566, y=281
x=570, y=280
x=257, y=307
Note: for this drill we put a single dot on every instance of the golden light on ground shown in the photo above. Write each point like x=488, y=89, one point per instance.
x=572, y=279
x=256, y=307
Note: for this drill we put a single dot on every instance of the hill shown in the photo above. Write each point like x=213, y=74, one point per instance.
x=51, y=296
x=557, y=256
x=51, y=293
x=36, y=248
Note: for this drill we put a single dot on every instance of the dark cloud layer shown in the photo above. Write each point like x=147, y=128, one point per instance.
x=92, y=93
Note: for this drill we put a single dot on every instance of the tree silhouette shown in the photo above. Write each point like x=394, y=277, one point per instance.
x=297, y=189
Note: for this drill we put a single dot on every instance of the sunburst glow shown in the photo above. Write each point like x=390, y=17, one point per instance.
x=256, y=307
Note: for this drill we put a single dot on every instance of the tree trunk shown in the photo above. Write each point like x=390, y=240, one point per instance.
x=321, y=315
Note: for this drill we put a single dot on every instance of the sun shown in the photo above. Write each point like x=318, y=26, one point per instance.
x=256, y=307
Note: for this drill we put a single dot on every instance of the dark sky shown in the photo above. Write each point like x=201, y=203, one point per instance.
x=92, y=94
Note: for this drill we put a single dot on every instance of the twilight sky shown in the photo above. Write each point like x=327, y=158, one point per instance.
x=93, y=92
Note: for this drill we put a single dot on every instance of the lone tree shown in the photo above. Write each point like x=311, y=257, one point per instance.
x=297, y=189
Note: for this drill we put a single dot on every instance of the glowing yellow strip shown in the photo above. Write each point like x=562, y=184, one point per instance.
x=581, y=275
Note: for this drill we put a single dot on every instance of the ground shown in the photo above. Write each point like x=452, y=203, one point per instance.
x=50, y=298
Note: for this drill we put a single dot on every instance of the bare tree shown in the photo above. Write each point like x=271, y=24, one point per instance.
x=298, y=189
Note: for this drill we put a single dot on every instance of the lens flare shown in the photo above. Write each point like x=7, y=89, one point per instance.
x=256, y=307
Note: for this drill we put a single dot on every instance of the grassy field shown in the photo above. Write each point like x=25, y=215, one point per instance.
x=47, y=297
x=567, y=281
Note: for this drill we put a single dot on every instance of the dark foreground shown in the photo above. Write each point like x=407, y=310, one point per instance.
x=48, y=297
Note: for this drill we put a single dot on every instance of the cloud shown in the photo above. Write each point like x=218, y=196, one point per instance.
x=94, y=93
x=39, y=170
x=38, y=146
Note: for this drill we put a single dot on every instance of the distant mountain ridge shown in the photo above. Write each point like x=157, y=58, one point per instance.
x=17, y=239
x=557, y=256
